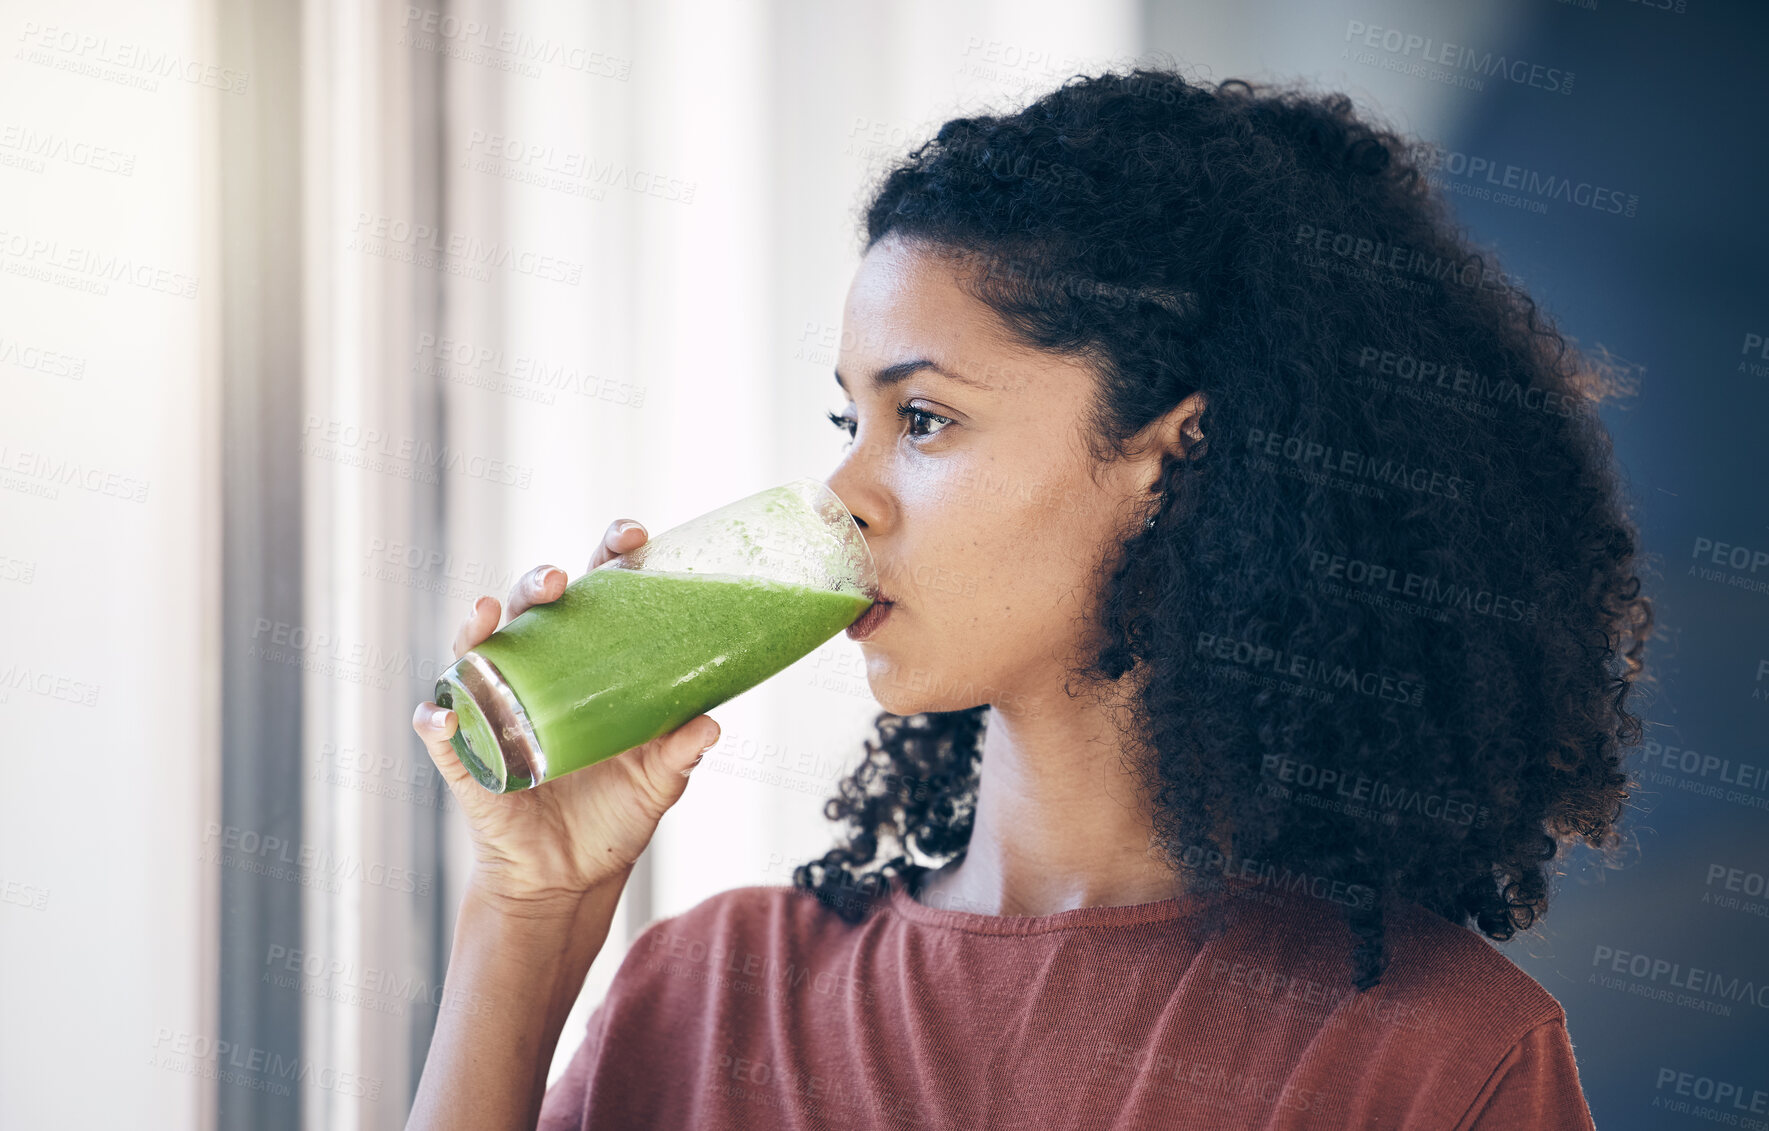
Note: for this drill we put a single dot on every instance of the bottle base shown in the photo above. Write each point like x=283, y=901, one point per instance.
x=494, y=740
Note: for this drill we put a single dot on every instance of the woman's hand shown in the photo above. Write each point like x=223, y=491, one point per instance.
x=551, y=844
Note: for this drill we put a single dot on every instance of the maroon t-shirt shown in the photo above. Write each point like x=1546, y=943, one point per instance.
x=759, y=1008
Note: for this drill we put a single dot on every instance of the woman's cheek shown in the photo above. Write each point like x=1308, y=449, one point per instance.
x=945, y=584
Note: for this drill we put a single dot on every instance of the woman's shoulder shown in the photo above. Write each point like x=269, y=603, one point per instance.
x=743, y=930
x=1443, y=980
x=1452, y=1029
x=1454, y=964
x=749, y=907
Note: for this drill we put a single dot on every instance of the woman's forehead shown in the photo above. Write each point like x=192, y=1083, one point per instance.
x=908, y=302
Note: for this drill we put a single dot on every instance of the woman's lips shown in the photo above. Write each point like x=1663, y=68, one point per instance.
x=870, y=620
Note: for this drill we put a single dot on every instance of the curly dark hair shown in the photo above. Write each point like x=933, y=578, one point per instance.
x=1405, y=561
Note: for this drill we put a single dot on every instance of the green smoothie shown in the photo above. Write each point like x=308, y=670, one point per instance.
x=628, y=655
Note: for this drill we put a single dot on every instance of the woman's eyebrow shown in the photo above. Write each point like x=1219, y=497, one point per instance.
x=893, y=374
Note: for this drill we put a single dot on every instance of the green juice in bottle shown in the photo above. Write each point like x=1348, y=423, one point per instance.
x=629, y=668
x=641, y=644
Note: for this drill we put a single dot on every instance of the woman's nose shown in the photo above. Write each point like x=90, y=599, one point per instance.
x=859, y=493
x=846, y=501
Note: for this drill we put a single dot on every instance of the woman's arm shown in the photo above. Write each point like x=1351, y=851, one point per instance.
x=549, y=864
x=523, y=965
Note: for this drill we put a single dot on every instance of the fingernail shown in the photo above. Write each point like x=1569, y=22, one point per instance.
x=538, y=583
x=439, y=718
x=710, y=743
x=693, y=764
x=626, y=525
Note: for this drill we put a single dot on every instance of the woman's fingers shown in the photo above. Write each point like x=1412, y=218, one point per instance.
x=480, y=623
x=536, y=587
x=624, y=535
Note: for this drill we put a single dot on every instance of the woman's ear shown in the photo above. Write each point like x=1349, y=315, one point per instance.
x=1193, y=432
x=1181, y=428
x=1178, y=434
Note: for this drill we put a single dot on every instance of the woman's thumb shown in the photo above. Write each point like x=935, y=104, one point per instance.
x=668, y=760
x=436, y=726
x=706, y=736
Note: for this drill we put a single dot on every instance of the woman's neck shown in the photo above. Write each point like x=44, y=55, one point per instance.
x=1059, y=823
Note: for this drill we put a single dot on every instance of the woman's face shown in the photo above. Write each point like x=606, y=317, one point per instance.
x=979, y=508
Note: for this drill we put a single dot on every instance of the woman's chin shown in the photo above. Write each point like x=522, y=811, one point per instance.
x=912, y=689
x=897, y=687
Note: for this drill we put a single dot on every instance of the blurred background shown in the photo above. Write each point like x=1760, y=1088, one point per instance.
x=320, y=318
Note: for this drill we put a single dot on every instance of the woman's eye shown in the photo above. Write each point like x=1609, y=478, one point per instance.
x=917, y=418
x=916, y=414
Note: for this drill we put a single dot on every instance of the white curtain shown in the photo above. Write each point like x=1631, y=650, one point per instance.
x=559, y=263
x=109, y=524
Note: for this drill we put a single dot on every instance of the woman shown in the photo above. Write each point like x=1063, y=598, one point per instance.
x=1263, y=615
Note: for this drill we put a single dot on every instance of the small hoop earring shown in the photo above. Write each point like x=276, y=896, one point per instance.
x=1149, y=524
